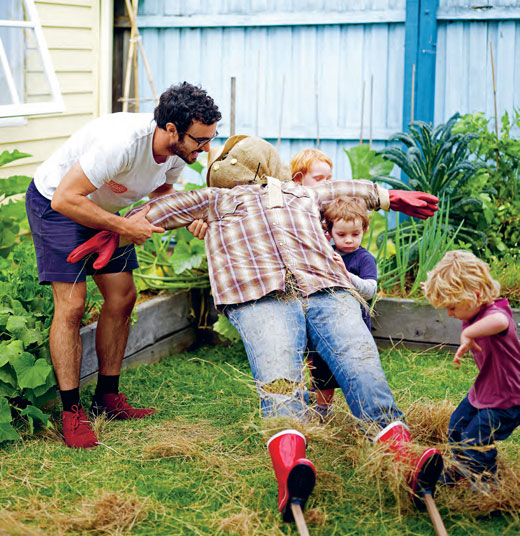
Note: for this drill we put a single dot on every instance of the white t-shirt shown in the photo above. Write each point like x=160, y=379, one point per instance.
x=115, y=152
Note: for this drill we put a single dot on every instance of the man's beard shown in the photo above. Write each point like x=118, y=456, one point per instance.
x=179, y=149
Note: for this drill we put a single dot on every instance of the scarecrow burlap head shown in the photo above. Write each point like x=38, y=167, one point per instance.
x=244, y=160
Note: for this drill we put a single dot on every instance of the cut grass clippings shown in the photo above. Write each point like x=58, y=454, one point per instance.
x=200, y=465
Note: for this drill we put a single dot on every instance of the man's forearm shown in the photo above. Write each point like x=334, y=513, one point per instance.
x=83, y=211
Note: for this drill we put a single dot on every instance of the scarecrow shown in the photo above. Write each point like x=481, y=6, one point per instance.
x=273, y=274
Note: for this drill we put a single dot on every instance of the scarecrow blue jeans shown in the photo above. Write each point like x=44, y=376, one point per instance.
x=276, y=330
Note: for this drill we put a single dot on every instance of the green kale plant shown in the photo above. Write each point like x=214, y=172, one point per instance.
x=438, y=160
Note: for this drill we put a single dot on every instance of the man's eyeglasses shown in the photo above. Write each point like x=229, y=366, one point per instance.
x=202, y=141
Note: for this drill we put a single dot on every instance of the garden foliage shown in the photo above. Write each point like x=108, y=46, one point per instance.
x=438, y=160
x=26, y=376
x=499, y=159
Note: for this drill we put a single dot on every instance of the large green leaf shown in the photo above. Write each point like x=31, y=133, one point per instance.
x=12, y=350
x=5, y=411
x=226, y=329
x=16, y=323
x=366, y=163
x=8, y=433
x=34, y=414
x=7, y=375
x=16, y=184
x=7, y=390
x=6, y=157
x=31, y=373
x=186, y=257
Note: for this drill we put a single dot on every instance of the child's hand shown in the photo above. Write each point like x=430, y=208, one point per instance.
x=466, y=344
x=341, y=264
x=423, y=285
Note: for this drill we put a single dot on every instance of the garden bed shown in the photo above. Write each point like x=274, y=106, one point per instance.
x=164, y=326
x=417, y=325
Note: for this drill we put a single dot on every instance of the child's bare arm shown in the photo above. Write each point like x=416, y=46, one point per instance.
x=490, y=325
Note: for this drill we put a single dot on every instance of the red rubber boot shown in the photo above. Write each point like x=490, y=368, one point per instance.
x=426, y=468
x=296, y=475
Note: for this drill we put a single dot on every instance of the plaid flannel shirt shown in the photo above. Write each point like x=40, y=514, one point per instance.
x=252, y=243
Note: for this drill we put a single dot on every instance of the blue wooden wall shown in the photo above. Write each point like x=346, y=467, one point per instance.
x=329, y=69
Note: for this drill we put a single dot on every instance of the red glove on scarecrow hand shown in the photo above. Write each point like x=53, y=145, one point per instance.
x=416, y=204
x=104, y=243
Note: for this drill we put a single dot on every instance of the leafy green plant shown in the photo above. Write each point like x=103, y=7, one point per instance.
x=506, y=270
x=365, y=163
x=437, y=160
x=417, y=251
x=26, y=377
x=499, y=156
x=13, y=220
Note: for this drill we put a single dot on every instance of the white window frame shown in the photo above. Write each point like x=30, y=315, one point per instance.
x=19, y=108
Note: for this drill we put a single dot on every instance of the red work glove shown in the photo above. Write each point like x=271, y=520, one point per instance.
x=104, y=243
x=416, y=204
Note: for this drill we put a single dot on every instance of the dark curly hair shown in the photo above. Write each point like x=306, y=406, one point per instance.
x=183, y=104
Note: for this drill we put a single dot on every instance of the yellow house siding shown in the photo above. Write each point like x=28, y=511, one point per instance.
x=72, y=33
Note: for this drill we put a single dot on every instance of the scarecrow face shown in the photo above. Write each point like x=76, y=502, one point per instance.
x=245, y=160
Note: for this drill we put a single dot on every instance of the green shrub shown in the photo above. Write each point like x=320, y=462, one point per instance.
x=499, y=158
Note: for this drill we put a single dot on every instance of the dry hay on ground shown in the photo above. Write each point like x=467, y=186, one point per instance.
x=110, y=514
x=180, y=440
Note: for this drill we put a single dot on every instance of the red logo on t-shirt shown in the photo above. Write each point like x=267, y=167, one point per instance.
x=116, y=187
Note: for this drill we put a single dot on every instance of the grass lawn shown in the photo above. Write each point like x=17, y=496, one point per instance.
x=200, y=465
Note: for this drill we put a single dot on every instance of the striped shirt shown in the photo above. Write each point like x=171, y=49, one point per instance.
x=258, y=233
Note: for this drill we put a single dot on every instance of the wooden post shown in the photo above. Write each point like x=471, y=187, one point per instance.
x=371, y=108
x=362, y=114
x=299, y=519
x=438, y=525
x=129, y=59
x=233, y=103
x=257, y=92
x=136, y=68
x=413, y=93
x=281, y=115
x=494, y=99
x=137, y=39
x=317, y=116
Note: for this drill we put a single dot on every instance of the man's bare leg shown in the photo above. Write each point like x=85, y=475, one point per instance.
x=112, y=332
x=64, y=339
x=113, y=327
x=65, y=348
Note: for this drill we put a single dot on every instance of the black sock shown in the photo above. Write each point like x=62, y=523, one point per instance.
x=70, y=398
x=107, y=384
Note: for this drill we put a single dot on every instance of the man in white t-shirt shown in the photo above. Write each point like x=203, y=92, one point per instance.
x=107, y=165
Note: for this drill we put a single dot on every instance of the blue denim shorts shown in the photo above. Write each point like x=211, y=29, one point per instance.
x=55, y=236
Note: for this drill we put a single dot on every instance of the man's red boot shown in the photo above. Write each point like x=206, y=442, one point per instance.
x=76, y=429
x=426, y=468
x=115, y=406
x=296, y=475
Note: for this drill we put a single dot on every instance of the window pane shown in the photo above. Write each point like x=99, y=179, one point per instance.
x=27, y=81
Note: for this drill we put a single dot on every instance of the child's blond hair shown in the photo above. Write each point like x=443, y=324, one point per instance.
x=302, y=161
x=346, y=209
x=460, y=278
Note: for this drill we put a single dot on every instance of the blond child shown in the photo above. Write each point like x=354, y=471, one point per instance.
x=462, y=283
